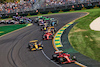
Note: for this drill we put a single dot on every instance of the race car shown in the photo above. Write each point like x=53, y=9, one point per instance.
x=34, y=45
x=53, y=22
x=62, y=57
x=44, y=27
x=2, y=22
x=14, y=22
x=42, y=18
x=40, y=22
x=47, y=36
x=37, y=19
x=8, y=21
x=25, y=20
x=11, y=22
x=51, y=29
x=47, y=19
x=16, y=18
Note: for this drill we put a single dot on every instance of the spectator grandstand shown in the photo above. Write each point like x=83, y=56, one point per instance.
x=16, y=7
x=52, y=3
x=32, y=6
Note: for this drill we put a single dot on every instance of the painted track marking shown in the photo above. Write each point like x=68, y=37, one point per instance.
x=50, y=59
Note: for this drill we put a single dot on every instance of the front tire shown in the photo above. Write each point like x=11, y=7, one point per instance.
x=54, y=56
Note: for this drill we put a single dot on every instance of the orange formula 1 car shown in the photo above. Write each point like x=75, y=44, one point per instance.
x=34, y=45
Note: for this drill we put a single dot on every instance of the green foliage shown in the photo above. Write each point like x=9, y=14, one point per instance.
x=85, y=40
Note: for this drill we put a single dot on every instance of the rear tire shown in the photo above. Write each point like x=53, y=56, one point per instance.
x=43, y=37
x=55, y=24
x=60, y=60
x=51, y=36
x=73, y=57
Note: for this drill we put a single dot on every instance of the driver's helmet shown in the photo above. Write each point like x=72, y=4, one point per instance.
x=39, y=44
x=44, y=28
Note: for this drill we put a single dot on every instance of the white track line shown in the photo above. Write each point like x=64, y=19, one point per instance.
x=50, y=59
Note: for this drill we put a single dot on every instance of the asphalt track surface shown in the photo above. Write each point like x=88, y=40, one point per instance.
x=14, y=51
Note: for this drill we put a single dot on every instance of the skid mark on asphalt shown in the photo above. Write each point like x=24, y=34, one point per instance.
x=10, y=57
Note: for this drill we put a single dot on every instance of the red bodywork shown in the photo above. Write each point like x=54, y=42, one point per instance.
x=47, y=36
x=64, y=55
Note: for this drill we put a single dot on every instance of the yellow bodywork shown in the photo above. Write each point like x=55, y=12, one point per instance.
x=34, y=41
x=49, y=28
x=40, y=48
x=33, y=49
x=36, y=46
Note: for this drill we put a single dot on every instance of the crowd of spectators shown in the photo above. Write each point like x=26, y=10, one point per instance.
x=16, y=6
x=53, y=3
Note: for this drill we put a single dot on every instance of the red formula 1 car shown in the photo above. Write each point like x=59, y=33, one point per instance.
x=47, y=36
x=62, y=57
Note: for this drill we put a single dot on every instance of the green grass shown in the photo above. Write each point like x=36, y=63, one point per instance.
x=10, y=28
x=85, y=40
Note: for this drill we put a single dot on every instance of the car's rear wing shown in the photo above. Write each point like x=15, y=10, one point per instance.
x=56, y=52
x=34, y=41
x=50, y=27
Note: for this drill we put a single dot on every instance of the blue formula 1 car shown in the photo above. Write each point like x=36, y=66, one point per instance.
x=53, y=22
x=16, y=18
x=25, y=20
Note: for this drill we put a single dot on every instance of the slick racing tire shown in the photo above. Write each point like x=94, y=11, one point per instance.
x=55, y=24
x=54, y=56
x=43, y=37
x=51, y=36
x=54, y=30
x=38, y=24
x=60, y=60
x=74, y=58
x=41, y=29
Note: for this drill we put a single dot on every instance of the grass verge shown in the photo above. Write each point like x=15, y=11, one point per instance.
x=10, y=28
x=85, y=40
